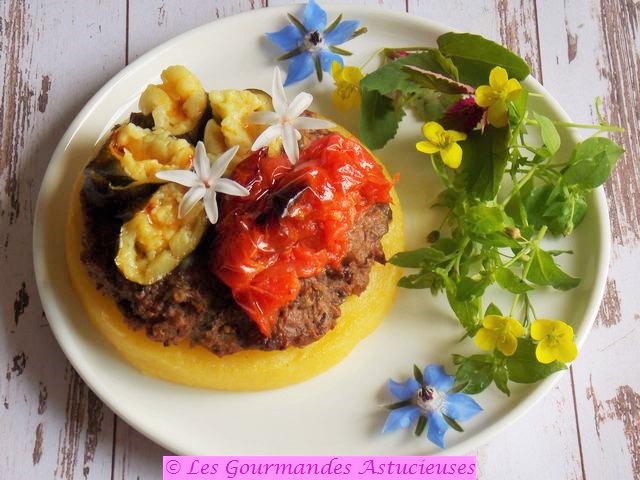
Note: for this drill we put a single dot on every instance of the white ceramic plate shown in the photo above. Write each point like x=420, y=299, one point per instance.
x=339, y=411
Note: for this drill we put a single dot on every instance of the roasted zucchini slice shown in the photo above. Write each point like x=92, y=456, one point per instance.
x=154, y=241
x=229, y=125
x=178, y=105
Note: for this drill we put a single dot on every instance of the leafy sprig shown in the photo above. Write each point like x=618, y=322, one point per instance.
x=494, y=229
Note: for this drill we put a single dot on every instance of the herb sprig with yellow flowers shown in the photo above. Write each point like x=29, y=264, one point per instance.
x=476, y=117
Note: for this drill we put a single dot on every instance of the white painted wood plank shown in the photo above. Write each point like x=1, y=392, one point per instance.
x=54, y=56
x=600, y=56
x=152, y=22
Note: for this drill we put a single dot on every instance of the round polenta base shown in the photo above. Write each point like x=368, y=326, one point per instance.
x=250, y=369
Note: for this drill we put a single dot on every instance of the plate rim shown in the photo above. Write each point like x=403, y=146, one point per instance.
x=599, y=207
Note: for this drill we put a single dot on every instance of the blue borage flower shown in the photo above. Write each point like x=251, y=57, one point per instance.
x=311, y=45
x=431, y=399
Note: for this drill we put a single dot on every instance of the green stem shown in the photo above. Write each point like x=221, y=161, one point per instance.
x=602, y=128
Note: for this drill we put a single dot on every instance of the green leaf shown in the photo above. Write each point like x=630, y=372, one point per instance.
x=437, y=81
x=468, y=312
x=549, y=133
x=564, y=215
x=417, y=374
x=592, y=162
x=523, y=367
x=469, y=288
x=421, y=425
x=452, y=423
x=484, y=159
x=476, y=371
x=511, y=282
x=492, y=309
x=430, y=105
x=418, y=258
x=475, y=56
x=501, y=378
x=379, y=118
x=482, y=219
x=417, y=280
x=496, y=239
x=545, y=271
x=518, y=108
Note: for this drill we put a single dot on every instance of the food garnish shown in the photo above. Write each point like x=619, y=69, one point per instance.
x=204, y=181
x=431, y=399
x=286, y=120
x=503, y=194
x=311, y=45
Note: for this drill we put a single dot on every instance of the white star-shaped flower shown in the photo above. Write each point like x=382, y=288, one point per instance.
x=286, y=120
x=205, y=182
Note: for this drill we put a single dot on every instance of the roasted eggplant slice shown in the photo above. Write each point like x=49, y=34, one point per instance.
x=178, y=105
x=154, y=241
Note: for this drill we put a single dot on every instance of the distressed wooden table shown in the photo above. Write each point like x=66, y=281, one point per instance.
x=54, y=54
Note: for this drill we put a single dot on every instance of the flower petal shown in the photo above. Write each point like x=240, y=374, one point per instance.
x=401, y=418
x=352, y=75
x=497, y=114
x=266, y=137
x=314, y=17
x=515, y=327
x=290, y=143
x=437, y=428
x=336, y=71
x=341, y=33
x=456, y=136
x=541, y=328
x=567, y=351
x=287, y=39
x=182, y=177
x=405, y=390
x=512, y=89
x=189, y=200
x=327, y=57
x=485, y=339
x=545, y=353
x=485, y=96
x=435, y=376
x=310, y=123
x=263, y=118
x=201, y=162
x=461, y=407
x=230, y=187
x=278, y=97
x=221, y=164
x=425, y=146
x=507, y=344
x=432, y=131
x=300, y=67
x=498, y=78
x=452, y=155
x=211, y=205
x=298, y=105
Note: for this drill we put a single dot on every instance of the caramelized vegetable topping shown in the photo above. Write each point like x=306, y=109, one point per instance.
x=294, y=222
x=178, y=103
x=142, y=153
x=155, y=240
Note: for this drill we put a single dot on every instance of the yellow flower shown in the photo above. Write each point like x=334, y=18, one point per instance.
x=494, y=96
x=556, y=341
x=499, y=332
x=347, y=80
x=442, y=141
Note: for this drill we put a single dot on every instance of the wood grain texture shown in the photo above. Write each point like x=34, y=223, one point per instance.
x=54, y=56
x=52, y=426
